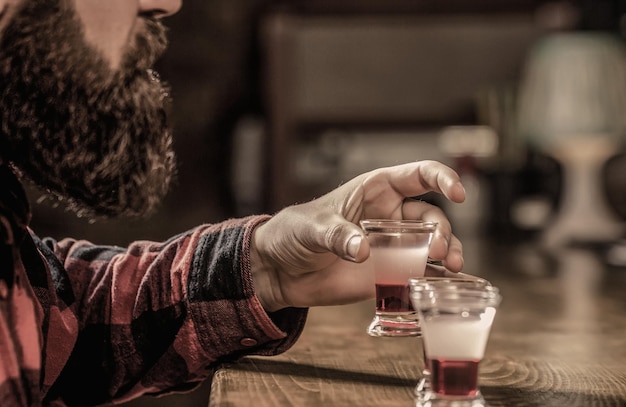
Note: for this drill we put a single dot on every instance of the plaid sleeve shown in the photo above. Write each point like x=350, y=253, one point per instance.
x=158, y=317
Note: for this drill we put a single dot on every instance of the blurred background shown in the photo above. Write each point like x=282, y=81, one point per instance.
x=277, y=102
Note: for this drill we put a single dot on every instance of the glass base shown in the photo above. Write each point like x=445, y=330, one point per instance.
x=423, y=386
x=405, y=324
x=432, y=399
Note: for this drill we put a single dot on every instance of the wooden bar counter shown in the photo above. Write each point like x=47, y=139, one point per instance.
x=559, y=339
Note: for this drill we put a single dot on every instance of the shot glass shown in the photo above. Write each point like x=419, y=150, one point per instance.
x=456, y=322
x=428, y=281
x=398, y=251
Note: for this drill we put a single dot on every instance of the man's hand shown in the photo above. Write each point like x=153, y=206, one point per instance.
x=314, y=253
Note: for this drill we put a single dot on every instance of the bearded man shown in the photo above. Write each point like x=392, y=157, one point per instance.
x=83, y=116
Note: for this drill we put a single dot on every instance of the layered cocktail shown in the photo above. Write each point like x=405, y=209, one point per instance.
x=456, y=321
x=398, y=251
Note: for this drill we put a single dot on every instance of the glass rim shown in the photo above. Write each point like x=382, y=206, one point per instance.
x=449, y=295
x=398, y=225
x=462, y=288
x=464, y=280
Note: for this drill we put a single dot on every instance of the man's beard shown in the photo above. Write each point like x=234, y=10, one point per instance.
x=93, y=136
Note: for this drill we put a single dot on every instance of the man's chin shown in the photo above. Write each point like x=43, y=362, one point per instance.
x=99, y=179
x=103, y=145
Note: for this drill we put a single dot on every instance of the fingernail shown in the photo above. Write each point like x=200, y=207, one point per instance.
x=462, y=187
x=354, y=244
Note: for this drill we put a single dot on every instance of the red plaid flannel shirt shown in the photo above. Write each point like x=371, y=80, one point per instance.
x=82, y=324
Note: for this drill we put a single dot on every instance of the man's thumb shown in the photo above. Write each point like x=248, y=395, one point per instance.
x=352, y=245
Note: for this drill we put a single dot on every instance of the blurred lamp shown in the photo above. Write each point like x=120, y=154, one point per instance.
x=572, y=106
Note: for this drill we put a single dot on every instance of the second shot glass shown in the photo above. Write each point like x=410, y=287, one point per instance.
x=455, y=281
x=398, y=251
x=456, y=322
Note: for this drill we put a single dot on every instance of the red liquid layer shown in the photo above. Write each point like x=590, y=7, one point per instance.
x=393, y=298
x=454, y=377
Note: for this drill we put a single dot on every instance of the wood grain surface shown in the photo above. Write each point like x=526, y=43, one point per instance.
x=559, y=339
